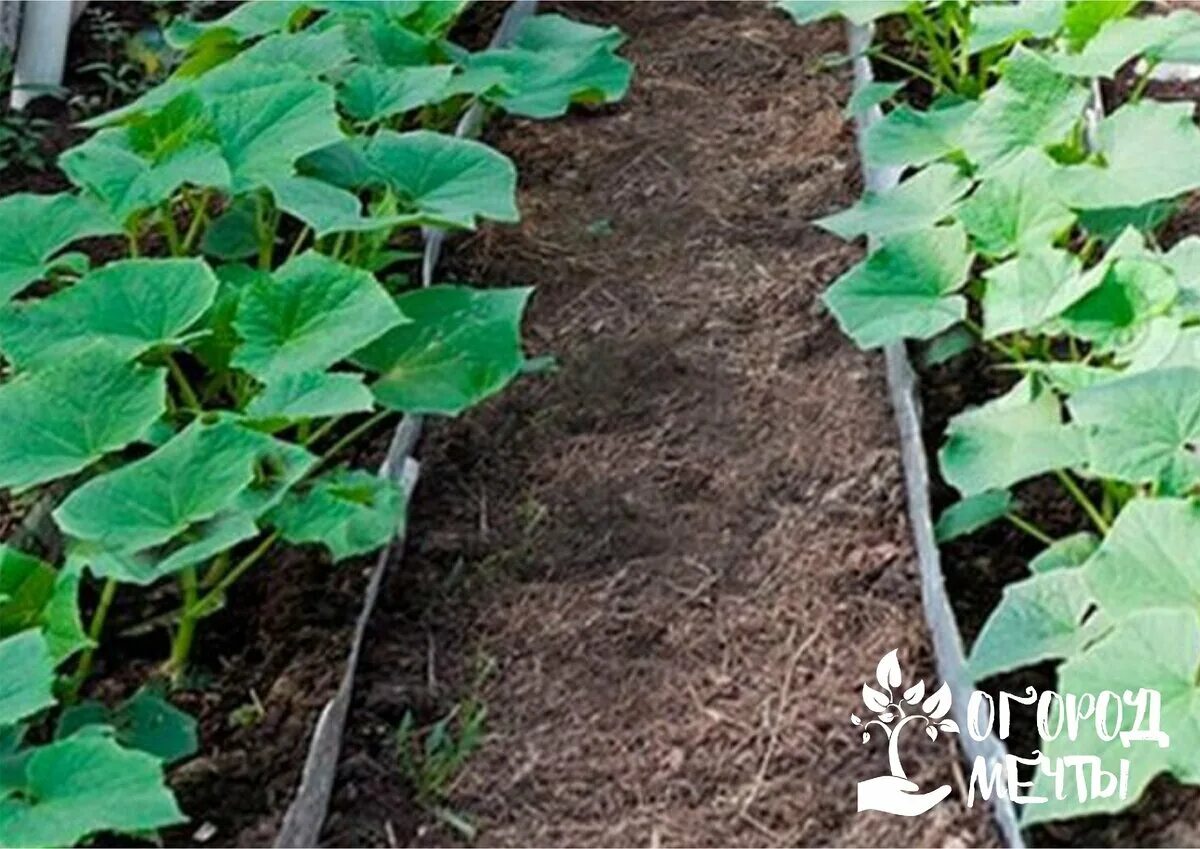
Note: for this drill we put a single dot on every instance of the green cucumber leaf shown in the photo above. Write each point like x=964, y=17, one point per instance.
x=544, y=83
x=1014, y=208
x=83, y=785
x=205, y=470
x=1065, y=553
x=1148, y=558
x=33, y=228
x=1151, y=649
x=313, y=312
x=311, y=51
x=1030, y=289
x=232, y=234
x=1007, y=440
x=904, y=289
x=1113, y=45
x=993, y=24
x=264, y=129
x=463, y=345
x=28, y=681
x=919, y=202
x=1132, y=292
x=137, y=167
x=1109, y=223
x=1038, y=618
x=310, y=394
x=34, y=595
x=1143, y=428
x=131, y=305
x=63, y=418
x=451, y=182
x=375, y=93
x=146, y=722
x=1032, y=106
x=550, y=31
x=907, y=136
x=349, y=512
x=329, y=209
x=856, y=11
x=1083, y=20
x=244, y=22
x=870, y=95
x=971, y=514
x=1126, y=176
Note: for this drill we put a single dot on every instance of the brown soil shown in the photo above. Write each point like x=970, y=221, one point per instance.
x=685, y=552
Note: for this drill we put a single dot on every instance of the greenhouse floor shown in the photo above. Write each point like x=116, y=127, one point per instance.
x=667, y=569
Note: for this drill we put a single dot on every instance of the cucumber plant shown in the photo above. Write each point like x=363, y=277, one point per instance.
x=1041, y=237
x=194, y=403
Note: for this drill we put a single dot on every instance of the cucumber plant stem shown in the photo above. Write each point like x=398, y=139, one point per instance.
x=1029, y=528
x=181, y=643
x=1081, y=498
x=84, y=668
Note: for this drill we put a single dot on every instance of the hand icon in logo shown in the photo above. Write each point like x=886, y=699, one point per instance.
x=894, y=793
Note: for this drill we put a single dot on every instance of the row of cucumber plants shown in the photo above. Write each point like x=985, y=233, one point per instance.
x=192, y=405
x=1029, y=228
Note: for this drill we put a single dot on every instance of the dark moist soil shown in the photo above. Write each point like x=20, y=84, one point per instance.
x=683, y=553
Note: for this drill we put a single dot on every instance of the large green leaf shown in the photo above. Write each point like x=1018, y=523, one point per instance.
x=1082, y=21
x=315, y=52
x=312, y=313
x=34, y=595
x=1065, y=553
x=62, y=418
x=543, y=83
x=1015, y=208
x=1157, y=38
x=349, y=512
x=1127, y=176
x=1132, y=292
x=1032, y=106
x=244, y=22
x=131, y=305
x=904, y=289
x=205, y=470
x=550, y=31
x=33, y=228
x=919, y=202
x=1038, y=618
x=145, y=721
x=1148, y=558
x=375, y=93
x=263, y=130
x=329, y=209
x=83, y=785
x=27, y=684
x=462, y=346
x=993, y=24
x=1143, y=428
x=1014, y=437
x=136, y=167
x=856, y=11
x=907, y=136
x=971, y=514
x=1151, y=649
x=1030, y=289
x=309, y=395
x=451, y=182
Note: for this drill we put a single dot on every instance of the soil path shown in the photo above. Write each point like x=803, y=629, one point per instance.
x=684, y=553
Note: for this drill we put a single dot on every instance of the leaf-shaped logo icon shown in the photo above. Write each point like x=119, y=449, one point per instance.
x=887, y=717
x=932, y=732
x=874, y=700
x=866, y=736
x=854, y=720
x=888, y=671
x=938, y=705
x=914, y=693
x=949, y=726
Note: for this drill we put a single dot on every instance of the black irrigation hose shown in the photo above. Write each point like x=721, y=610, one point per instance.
x=948, y=652
x=305, y=816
